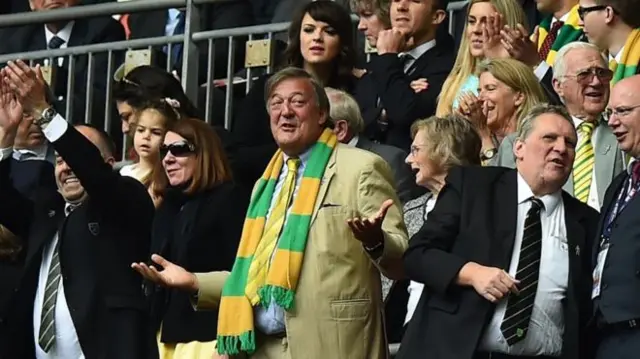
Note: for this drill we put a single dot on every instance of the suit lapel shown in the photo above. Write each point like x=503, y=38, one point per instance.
x=363, y=144
x=605, y=148
x=575, y=239
x=329, y=172
x=505, y=217
x=44, y=231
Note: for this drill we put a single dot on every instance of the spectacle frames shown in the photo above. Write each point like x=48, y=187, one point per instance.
x=177, y=149
x=619, y=111
x=585, y=77
x=583, y=11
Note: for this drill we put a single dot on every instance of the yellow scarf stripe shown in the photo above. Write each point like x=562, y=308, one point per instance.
x=571, y=31
x=630, y=58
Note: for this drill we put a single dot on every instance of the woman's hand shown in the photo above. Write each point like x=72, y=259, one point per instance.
x=172, y=276
x=492, y=40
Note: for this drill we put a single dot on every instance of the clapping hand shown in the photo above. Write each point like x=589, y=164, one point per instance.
x=369, y=230
x=10, y=108
x=29, y=86
x=171, y=275
x=492, y=42
x=419, y=85
x=519, y=46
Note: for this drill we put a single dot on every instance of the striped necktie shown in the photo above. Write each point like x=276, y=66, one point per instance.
x=545, y=48
x=516, y=320
x=47, y=334
x=583, y=164
x=55, y=42
x=259, y=268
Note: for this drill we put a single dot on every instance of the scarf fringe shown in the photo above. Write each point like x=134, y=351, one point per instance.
x=282, y=296
x=232, y=345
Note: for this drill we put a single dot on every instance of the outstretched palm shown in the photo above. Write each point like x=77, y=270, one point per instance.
x=171, y=275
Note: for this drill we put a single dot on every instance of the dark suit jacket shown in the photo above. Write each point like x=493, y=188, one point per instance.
x=200, y=233
x=385, y=79
x=98, y=242
x=84, y=32
x=212, y=17
x=405, y=180
x=474, y=220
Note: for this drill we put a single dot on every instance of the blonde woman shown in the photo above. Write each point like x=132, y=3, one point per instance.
x=508, y=90
x=485, y=19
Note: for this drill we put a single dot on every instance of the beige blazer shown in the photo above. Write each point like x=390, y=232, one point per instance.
x=338, y=306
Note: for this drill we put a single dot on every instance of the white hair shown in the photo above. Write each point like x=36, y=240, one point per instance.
x=344, y=107
x=560, y=64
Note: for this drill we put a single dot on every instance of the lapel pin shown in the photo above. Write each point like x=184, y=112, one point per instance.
x=577, y=250
x=606, y=149
x=52, y=213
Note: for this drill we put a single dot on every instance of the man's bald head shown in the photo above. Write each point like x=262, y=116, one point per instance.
x=624, y=114
x=100, y=139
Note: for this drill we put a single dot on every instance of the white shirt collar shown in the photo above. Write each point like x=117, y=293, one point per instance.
x=630, y=165
x=578, y=121
x=353, y=141
x=304, y=157
x=40, y=152
x=64, y=33
x=563, y=18
x=550, y=201
x=618, y=56
x=419, y=50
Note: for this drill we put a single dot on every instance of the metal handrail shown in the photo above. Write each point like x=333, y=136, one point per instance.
x=96, y=10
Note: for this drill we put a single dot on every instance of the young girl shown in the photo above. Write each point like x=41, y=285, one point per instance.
x=148, y=127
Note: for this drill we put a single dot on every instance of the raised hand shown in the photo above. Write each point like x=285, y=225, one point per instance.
x=519, y=46
x=392, y=41
x=492, y=42
x=29, y=86
x=369, y=230
x=10, y=108
x=171, y=275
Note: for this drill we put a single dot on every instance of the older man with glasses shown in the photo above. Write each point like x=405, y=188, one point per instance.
x=616, y=283
x=581, y=79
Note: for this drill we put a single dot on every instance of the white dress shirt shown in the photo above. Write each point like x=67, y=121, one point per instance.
x=543, y=66
x=64, y=34
x=547, y=320
x=594, y=201
x=271, y=319
x=66, y=345
x=173, y=20
x=415, y=288
x=618, y=56
x=353, y=142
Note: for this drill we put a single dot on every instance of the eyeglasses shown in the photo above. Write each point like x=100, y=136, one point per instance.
x=178, y=149
x=621, y=111
x=585, y=77
x=583, y=11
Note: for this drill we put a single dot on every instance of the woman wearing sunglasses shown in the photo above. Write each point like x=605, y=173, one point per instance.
x=198, y=225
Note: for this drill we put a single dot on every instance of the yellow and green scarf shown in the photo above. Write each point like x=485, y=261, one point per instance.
x=236, y=331
x=569, y=32
x=630, y=58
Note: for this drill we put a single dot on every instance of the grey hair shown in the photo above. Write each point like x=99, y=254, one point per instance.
x=289, y=73
x=344, y=107
x=560, y=64
x=528, y=122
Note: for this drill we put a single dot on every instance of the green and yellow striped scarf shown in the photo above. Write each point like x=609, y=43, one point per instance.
x=235, y=319
x=629, y=60
x=569, y=32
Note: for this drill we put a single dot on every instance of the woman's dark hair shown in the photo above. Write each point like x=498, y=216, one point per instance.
x=146, y=83
x=339, y=19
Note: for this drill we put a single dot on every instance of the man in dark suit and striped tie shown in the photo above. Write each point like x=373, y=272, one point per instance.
x=505, y=256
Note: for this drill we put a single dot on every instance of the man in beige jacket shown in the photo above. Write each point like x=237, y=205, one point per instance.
x=356, y=231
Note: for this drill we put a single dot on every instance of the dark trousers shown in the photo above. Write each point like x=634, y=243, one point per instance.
x=619, y=344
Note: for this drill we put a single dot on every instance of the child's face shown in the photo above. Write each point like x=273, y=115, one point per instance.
x=149, y=133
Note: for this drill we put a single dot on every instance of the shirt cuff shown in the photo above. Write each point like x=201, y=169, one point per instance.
x=55, y=129
x=541, y=70
x=6, y=153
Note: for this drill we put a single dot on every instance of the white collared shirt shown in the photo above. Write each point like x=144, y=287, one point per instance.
x=547, y=320
x=37, y=152
x=618, y=56
x=594, y=201
x=173, y=20
x=64, y=34
x=353, y=142
x=416, y=52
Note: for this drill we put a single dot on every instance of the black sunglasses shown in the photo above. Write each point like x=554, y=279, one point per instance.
x=178, y=149
x=583, y=11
